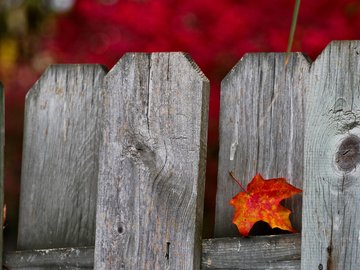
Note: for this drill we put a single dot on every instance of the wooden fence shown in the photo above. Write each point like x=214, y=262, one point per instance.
x=113, y=166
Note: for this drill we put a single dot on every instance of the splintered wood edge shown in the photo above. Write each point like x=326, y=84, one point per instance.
x=259, y=252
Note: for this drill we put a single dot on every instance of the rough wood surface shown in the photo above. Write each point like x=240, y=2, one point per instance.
x=2, y=144
x=63, y=258
x=152, y=164
x=331, y=219
x=260, y=252
x=60, y=158
x=261, y=129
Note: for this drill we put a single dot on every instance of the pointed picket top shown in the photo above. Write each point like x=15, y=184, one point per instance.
x=331, y=170
x=261, y=128
x=186, y=61
x=152, y=164
x=60, y=158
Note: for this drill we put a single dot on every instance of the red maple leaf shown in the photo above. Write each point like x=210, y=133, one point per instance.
x=261, y=202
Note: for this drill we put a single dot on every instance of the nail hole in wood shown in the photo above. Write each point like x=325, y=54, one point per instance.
x=167, y=254
x=348, y=154
x=139, y=148
x=320, y=267
x=120, y=229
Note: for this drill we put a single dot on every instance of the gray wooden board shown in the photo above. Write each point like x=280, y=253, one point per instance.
x=2, y=144
x=60, y=158
x=261, y=129
x=63, y=258
x=152, y=164
x=261, y=252
x=331, y=219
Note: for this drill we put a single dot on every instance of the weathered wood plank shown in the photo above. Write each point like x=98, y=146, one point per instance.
x=261, y=252
x=60, y=158
x=2, y=144
x=331, y=218
x=261, y=129
x=152, y=164
x=62, y=258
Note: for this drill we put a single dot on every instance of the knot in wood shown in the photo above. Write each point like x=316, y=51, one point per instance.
x=348, y=154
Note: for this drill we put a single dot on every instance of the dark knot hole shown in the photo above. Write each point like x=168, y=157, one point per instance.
x=348, y=154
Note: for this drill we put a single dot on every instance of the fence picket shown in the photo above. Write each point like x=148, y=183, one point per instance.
x=60, y=159
x=261, y=129
x=152, y=164
x=331, y=220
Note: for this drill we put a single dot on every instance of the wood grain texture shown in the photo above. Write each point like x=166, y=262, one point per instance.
x=331, y=220
x=60, y=158
x=260, y=252
x=62, y=258
x=2, y=144
x=261, y=129
x=152, y=164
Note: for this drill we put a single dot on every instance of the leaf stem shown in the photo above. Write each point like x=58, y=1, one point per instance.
x=292, y=29
x=237, y=181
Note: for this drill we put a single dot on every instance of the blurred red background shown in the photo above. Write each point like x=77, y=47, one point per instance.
x=34, y=34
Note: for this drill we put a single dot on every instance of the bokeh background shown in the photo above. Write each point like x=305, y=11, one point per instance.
x=37, y=33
